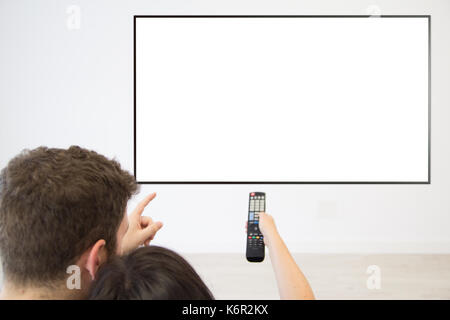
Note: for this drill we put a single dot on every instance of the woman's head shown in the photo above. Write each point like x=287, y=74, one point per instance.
x=149, y=273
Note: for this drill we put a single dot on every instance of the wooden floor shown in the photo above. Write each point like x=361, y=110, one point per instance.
x=332, y=276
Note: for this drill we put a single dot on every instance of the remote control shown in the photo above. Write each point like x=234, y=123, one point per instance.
x=255, y=239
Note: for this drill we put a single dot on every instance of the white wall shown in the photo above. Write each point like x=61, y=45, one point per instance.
x=61, y=87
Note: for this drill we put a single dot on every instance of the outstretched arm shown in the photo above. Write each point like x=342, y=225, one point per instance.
x=292, y=284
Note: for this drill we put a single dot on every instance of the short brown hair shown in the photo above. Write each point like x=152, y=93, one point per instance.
x=149, y=273
x=54, y=205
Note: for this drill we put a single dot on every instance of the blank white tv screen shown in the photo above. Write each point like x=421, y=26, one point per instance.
x=281, y=99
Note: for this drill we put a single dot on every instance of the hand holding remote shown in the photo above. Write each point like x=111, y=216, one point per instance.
x=267, y=227
x=291, y=282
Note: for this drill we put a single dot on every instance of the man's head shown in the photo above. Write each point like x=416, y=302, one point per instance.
x=59, y=208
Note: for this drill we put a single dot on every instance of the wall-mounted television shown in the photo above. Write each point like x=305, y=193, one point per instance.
x=282, y=99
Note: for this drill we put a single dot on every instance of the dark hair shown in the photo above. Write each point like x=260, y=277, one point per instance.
x=149, y=273
x=54, y=205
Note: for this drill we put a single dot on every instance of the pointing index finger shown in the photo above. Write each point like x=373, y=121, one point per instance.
x=141, y=205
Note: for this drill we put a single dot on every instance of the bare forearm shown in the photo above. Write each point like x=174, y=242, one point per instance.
x=291, y=282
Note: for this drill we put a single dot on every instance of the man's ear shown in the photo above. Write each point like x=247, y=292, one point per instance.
x=96, y=256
